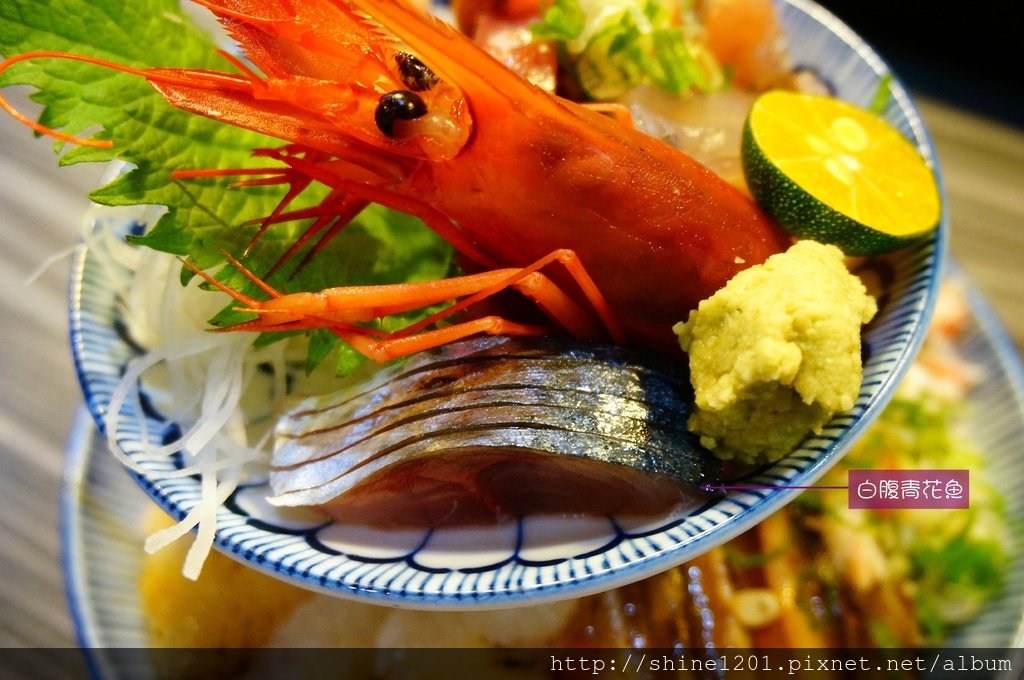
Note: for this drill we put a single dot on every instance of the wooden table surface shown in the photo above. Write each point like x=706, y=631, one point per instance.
x=40, y=209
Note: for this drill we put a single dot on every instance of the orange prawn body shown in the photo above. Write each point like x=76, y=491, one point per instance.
x=504, y=171
x=657, y=231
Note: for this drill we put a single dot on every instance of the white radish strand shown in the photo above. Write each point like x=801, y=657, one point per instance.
x=205, y=376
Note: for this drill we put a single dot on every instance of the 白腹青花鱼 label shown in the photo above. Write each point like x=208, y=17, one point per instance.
x=914, y=489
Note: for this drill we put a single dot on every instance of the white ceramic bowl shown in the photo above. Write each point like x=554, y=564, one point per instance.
x=538, y=558
x=102, y=513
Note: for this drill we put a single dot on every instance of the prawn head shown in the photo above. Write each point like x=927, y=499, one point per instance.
x=329, y=76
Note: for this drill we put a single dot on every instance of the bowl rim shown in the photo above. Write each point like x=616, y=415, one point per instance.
x=754, y=506
x=85, y=453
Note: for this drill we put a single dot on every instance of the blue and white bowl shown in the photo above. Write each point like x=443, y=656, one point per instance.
x=540, y=558
x=102, y=511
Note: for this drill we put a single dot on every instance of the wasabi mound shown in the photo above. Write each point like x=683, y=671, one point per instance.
x=776, y=352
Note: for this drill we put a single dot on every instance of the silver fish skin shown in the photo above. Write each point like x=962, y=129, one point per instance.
x=489, y=428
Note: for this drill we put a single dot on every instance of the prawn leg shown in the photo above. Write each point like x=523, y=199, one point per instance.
x=394, y=346
x=620, y=113
x=339, y=309
x=545, y=290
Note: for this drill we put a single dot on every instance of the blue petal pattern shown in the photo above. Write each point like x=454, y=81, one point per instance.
x=533, y=561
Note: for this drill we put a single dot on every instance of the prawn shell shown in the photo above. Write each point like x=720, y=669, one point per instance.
x=492, y=428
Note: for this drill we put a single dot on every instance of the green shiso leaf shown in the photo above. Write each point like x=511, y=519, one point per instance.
x=204, y=217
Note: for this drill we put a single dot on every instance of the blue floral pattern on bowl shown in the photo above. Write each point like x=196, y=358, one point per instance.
x=538, y=557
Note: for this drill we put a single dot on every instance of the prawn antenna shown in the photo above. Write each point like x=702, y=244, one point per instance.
x=249, y=274
x=37, y=126
x=238, y=296
x=183, y=77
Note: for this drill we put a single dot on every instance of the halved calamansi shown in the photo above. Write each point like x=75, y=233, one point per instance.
x=827, y=170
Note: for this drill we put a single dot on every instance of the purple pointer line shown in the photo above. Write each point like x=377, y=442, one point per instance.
x=744, y=487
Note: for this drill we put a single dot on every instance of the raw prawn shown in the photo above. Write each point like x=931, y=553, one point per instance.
x=383, y=104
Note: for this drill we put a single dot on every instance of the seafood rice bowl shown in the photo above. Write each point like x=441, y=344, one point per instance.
x=442, y=270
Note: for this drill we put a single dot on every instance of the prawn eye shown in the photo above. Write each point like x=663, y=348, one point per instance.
x=415, y=75
x=398, y=105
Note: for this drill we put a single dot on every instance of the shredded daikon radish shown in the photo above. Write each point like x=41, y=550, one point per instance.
x=194, y=378
x=48, y=262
